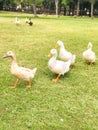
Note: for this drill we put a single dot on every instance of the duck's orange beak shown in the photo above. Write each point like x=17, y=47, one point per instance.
x=88, y=46
x=56, y=46
x=49, y=55
x=5, y=56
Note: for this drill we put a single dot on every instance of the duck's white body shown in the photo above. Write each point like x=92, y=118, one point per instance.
x=64, y=54
x=57, y=66
x=89, y=55
x=17, y=21
x=26, y=20
x=20, y=72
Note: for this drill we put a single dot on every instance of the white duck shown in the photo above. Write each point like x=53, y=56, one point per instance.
x=64, y=54
x=89, y=55
x=29, y=21
x=26, y=20
x=20, y=72
x=17, y=21
x=57, y=66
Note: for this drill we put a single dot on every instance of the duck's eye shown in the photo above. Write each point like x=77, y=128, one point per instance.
x=53, y=51
x=9, y=53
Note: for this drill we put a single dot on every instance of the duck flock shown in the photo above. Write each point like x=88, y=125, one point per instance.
x=67, y=59
x=27, y=20
x=59, y=67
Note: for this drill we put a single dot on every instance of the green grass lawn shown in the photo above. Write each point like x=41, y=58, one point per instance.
x=69, y=104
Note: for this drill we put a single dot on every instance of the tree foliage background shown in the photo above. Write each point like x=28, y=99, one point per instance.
x=65, y=7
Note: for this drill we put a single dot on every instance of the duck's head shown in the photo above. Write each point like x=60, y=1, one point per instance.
x=53, y=52
x=9, y=54
x=59, y=44
x=26, y=20
x=89, y=45
x=16, y=18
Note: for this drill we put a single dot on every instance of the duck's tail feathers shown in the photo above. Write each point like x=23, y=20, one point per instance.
x=34, y=70
x=73, y=59
x=68, y=62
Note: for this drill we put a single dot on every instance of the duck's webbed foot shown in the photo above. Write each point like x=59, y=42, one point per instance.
x=15, y=85
x=29, y=84
x=71, y=67
x=90, y=63
x=56, y=79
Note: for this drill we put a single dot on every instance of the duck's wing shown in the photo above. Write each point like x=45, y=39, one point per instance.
x=64, y=54
x=25, y=69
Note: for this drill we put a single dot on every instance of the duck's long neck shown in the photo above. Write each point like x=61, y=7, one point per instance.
x=14, y=65
x=14, y=61
x=62, y=47
x=53, y=59
x=90, y=48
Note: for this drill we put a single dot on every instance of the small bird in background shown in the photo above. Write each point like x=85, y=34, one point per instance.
x=28, y=20
x=17, y=21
